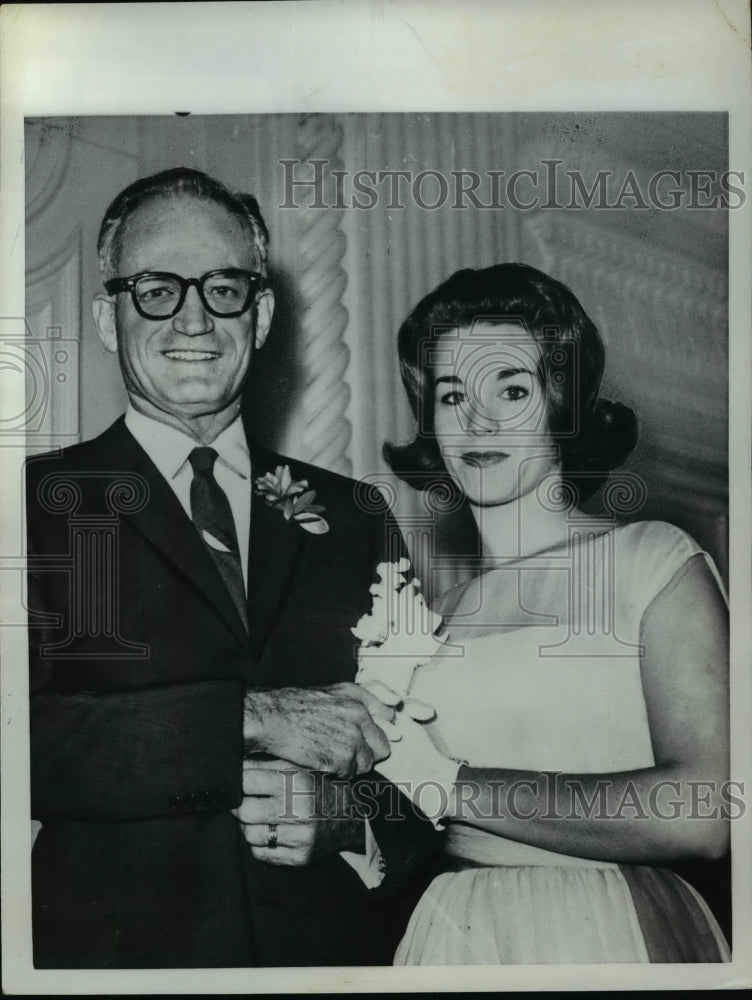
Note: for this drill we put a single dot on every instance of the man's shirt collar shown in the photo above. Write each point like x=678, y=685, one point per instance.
x=169, y=447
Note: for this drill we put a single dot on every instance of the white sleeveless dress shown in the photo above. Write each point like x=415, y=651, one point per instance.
x=557, y=689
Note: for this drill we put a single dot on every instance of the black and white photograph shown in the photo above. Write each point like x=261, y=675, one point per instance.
x=378, y=536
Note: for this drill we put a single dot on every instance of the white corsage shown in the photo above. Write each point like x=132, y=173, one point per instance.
x=293, y=499
x=397, y=636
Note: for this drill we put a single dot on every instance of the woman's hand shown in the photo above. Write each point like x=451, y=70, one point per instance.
x=418, y=769
x=412, y=707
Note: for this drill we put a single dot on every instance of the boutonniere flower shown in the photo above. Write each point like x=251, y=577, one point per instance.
x=293, y=498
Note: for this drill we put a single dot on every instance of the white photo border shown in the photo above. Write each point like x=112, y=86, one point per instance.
x=331, y=55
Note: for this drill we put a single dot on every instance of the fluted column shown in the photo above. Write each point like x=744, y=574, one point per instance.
x=325, y=427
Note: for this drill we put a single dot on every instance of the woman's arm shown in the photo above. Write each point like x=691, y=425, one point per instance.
x=630, y=815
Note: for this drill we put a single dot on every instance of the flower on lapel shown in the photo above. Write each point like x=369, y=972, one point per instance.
x=293, y=498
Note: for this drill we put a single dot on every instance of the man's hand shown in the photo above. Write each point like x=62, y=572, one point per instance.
x=308, y=813
x=328, y=729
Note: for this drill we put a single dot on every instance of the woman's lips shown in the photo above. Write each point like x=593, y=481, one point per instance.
x=483, y=459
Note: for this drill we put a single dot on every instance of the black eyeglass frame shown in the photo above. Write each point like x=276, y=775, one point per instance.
x=255, y=285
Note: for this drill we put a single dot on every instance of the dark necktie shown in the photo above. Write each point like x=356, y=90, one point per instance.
x=212, y=515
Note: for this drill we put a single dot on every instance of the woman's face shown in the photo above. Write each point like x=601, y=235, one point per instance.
x=489, y=412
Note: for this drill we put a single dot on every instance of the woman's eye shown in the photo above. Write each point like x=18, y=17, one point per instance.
x=515, y=392
x=452, y=398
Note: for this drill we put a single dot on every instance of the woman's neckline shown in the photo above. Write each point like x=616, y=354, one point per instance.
x=487, y=563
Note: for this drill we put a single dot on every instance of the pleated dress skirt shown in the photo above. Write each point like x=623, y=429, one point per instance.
x=538, y=914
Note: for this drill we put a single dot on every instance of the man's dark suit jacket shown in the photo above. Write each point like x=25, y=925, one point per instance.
x=136, y=721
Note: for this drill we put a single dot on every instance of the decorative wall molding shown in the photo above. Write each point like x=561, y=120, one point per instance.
x=325, y=428
x=664, y=320
x=53, y=315
x=47, y=154
x=563, y=238
x=663, y=312
x=42, y=277
x=53, y=292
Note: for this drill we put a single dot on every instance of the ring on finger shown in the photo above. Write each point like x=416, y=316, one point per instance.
x=271, y=837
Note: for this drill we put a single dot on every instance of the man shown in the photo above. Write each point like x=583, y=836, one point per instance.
x=193, y=626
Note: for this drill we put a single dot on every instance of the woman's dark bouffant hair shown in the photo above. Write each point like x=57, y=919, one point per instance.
x=593, y=435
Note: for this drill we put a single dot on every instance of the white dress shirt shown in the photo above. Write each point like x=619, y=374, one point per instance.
x=169, y=448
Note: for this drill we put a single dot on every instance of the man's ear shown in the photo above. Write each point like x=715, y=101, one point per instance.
x=264, y=313
x=103, y=308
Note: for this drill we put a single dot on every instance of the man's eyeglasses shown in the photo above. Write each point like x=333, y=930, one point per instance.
x=160, y=295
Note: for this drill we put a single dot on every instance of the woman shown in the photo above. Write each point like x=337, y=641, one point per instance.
x=584, y=682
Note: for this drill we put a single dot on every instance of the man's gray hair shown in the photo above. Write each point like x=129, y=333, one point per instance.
x=179, y=182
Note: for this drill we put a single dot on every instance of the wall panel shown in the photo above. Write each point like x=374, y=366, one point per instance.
x=327, y=386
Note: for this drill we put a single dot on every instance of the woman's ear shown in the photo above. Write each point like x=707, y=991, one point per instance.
x=264, y=313
x=103, y=309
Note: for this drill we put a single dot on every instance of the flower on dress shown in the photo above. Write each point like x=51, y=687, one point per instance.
x=293, y=498
x=399, y=633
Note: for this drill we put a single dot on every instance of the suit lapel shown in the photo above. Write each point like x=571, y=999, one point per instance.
x=164, y=523
x=275, y=545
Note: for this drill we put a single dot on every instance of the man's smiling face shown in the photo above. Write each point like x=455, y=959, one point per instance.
x=192, y=366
